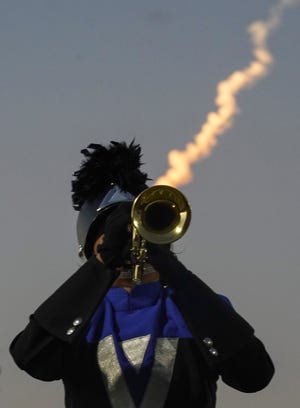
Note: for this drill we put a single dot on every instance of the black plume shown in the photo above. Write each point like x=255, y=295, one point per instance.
x=118, y=163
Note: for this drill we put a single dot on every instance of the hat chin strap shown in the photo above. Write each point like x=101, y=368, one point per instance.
x=127, y=272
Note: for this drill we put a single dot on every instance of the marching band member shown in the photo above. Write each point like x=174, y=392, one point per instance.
x=115, y=344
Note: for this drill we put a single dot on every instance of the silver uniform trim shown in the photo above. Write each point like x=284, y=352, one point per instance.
x=162, y=371
x=112, y=374
x=161, y=375
x=135, y=349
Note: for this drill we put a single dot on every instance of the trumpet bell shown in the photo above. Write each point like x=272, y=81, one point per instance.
x=161, y=214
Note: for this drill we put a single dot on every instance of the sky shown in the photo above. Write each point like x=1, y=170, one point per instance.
x=74, y=73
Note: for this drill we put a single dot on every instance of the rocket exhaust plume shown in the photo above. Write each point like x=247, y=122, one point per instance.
x=217, y=122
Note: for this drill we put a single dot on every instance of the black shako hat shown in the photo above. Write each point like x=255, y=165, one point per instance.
x=107, y=176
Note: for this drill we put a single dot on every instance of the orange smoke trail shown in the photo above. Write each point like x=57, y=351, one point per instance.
x=180, y=161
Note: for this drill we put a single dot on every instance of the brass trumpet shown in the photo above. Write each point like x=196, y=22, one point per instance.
x=161, y=215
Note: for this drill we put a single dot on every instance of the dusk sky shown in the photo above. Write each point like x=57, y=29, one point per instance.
x=80, y=72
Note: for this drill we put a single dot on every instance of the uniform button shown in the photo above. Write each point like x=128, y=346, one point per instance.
x=214, y=352
x=208, y=342
x=77, y=321
x=70, y=331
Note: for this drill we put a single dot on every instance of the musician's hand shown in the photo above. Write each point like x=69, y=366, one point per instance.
x=159, y=257
x=116, y=244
